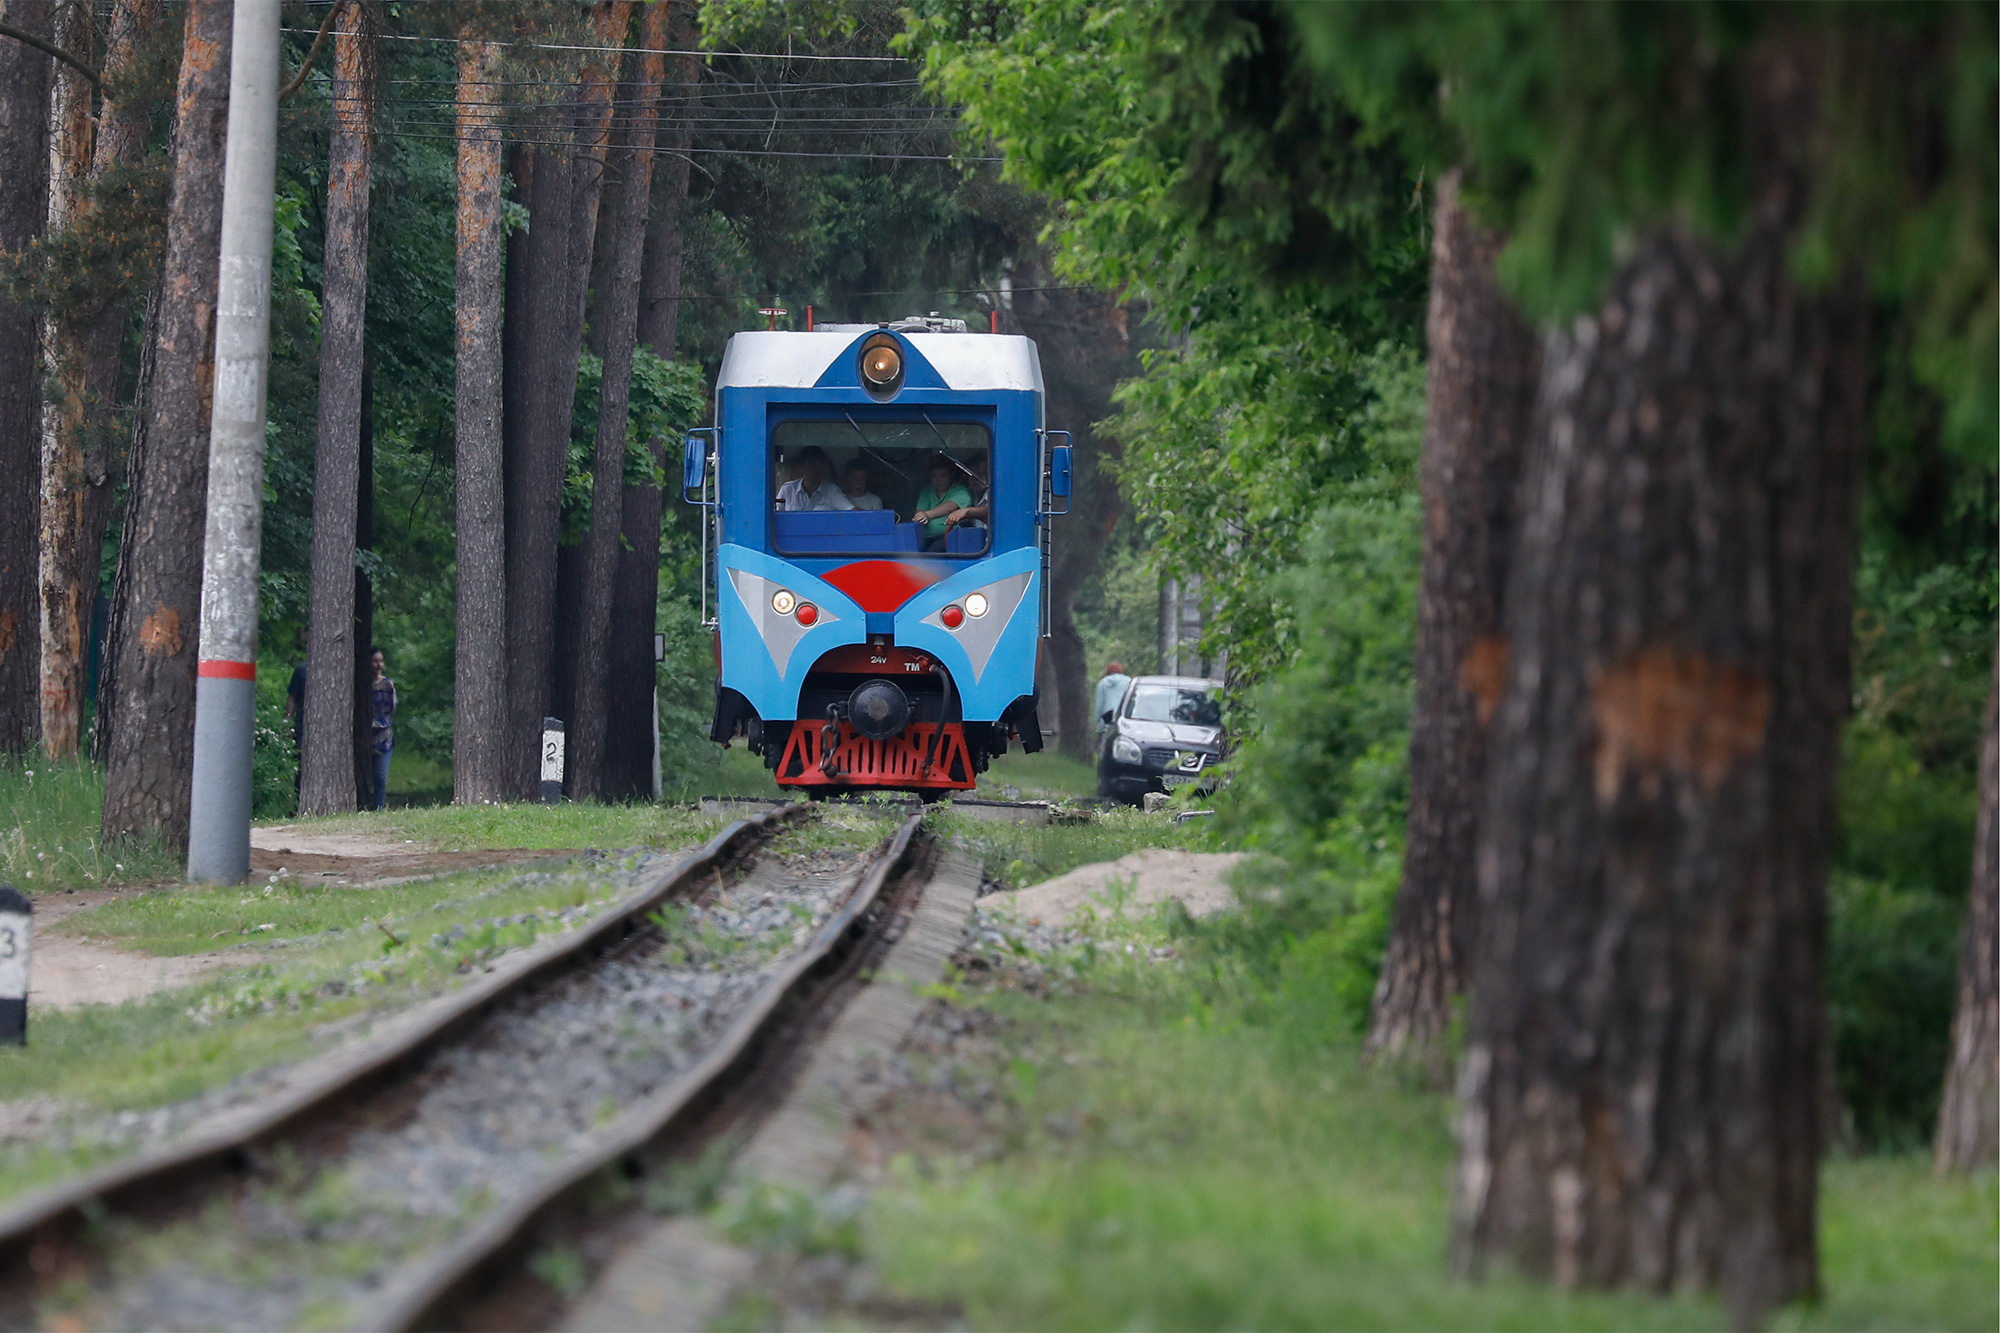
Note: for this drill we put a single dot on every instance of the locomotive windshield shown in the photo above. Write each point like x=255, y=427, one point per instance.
x=854, y=485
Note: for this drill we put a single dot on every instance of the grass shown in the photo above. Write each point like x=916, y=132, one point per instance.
x=524, y=826
x=1021, y=854
x=295, y=995
x=50, y=813
x=415, y=776
x=1047, y=776
x=1159, y=1153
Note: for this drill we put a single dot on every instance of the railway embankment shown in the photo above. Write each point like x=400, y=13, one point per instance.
x=163, y=1003
x=1137, y=1116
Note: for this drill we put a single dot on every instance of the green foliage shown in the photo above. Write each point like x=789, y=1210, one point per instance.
x=1581, y=131
x=667, y=397
x=1257, y=423
x=274, y=763
x=1892, y=983
x=1908, y=799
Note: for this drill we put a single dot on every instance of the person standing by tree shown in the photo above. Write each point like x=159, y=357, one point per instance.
x=1110, y=690
x=382, y=711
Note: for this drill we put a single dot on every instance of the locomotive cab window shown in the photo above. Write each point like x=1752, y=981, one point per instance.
x=886, y=487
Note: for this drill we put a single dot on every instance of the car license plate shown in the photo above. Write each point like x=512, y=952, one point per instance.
x=1177, y=779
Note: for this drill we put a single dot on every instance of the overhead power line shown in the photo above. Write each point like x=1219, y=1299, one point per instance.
x=664, y=151
x=628, y=50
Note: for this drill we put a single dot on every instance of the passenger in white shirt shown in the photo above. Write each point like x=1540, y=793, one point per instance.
x=814, y=489
x=854, y=483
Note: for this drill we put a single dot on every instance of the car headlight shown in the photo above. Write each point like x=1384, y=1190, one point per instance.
x=1126, y=750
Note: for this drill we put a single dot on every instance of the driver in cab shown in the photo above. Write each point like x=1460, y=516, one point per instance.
x=813, y=489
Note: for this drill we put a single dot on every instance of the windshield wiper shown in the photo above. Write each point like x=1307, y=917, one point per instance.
x=871, y=449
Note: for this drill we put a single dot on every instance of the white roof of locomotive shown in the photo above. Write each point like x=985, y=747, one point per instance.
x=973, y=362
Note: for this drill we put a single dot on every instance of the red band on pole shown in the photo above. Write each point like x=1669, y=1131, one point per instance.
x=227, y=670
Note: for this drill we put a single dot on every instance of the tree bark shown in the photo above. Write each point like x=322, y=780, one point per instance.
x=122, y=131
x=634, y=677
x=1642, y=1084
x=24, y=186
x=479, y=711
x=535, y=435
x=362, y=677
x=151, y=647
x=63, y=621
x=542, y=348
x=617, y=333
x=326, y=768
x=1480, y=400
x=1968, y=1134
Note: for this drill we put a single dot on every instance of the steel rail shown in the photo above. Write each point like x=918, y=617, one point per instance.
x=47, y=1212
x=427, y=1291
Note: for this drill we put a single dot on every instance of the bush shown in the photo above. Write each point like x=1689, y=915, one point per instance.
x=274, y=765
x=1892, y=980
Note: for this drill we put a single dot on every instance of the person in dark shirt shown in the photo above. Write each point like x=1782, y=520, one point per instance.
x=382, y=720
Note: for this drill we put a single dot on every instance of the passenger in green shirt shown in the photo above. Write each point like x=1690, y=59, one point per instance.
x=939, y=500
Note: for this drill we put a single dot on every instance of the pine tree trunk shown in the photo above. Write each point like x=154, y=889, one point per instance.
x=635, y=614
x=24, y=199
x=1480, y=403
x=122, y=132
x=1648, y=1036
x=1968, y=1134
x=326, y=769
x=535, y=433
x=63, y=621
x=545, y=346
x=480, y=712
x=150, y=650
x=362, y=677
x=617, y=332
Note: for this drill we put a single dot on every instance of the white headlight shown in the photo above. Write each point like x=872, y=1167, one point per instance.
x=782, y=602
x=975, y=604
x=1125, y=750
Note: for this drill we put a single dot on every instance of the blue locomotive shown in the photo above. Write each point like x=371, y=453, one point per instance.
x=876, y=503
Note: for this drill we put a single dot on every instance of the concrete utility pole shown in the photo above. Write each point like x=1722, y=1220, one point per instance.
x=226, y=691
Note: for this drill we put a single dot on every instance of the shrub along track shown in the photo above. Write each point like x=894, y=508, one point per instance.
x=408, y=1179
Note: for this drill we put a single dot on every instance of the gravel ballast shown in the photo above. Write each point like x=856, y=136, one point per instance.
x=322, y=1224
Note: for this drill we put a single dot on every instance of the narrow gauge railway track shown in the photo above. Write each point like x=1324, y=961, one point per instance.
x=291, y=1178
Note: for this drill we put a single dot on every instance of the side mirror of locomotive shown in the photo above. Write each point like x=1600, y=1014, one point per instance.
x=1059, y=471
x=694, y=463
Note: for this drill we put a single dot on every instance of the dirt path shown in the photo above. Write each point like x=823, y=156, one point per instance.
x=69, y=971
x=367, y=858
x=1199, y=879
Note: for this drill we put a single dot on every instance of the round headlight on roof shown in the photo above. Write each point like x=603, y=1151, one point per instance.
x=881, y=365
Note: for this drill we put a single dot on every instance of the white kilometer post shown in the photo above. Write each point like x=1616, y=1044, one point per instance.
x=226, y=687
x=552, y=760
x=17, y=921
